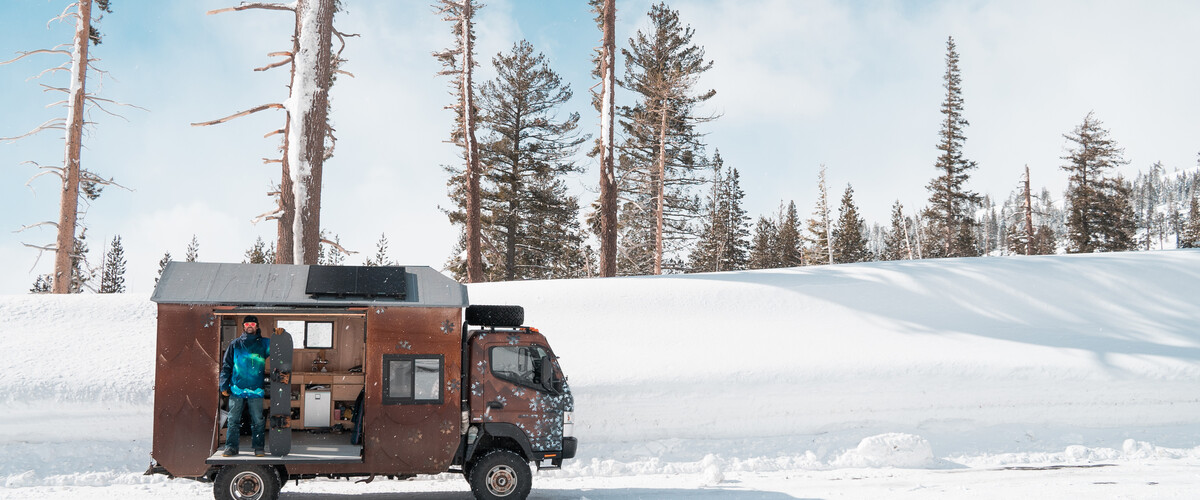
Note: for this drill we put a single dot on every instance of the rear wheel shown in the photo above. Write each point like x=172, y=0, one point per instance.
x=246, y=482
x=500, y=474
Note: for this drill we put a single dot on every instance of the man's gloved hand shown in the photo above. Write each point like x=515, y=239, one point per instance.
x=225, y=393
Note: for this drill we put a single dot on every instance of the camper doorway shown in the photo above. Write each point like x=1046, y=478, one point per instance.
x=329, y=347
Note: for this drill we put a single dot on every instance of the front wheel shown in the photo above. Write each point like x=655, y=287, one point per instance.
x=246, y=482
x=500, y=474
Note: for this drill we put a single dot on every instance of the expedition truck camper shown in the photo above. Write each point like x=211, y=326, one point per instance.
x=372, y=371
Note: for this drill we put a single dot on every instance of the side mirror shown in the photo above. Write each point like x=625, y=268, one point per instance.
x=548, y=380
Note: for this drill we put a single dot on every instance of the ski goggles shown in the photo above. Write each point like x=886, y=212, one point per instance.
x=250, y=324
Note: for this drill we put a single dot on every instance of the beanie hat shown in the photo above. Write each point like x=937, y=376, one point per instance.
x=250, y=319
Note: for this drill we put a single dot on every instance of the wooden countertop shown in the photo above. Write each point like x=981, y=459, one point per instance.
x=299, y=377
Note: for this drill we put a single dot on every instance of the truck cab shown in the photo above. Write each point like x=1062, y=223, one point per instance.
x=373, y=372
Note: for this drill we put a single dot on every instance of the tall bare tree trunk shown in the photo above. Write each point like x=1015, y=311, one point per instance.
x=1028, y=215
x=287, y=206
x=660, y=187
x=308, y=123
x=474, y=236
x=608, y=180
x=68, y=207
x=510, y=244
x=825, y=216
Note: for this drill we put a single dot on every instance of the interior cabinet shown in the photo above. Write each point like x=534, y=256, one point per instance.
x=340, y=390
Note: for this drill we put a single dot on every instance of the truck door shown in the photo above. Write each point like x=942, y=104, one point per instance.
x=509, y=388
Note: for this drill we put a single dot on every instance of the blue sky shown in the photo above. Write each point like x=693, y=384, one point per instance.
x=852, y=85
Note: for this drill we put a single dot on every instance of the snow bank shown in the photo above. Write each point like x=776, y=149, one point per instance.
x=961, y=362
x=889, y=450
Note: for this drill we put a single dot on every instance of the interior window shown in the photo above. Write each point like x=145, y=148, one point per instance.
x=293, y=327
x=309, y=334
x=412, y=379
x=318, y=335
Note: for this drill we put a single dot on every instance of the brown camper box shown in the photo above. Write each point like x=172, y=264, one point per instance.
x=386, y=379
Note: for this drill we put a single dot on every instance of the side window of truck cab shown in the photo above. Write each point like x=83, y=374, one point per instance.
x=521, y=365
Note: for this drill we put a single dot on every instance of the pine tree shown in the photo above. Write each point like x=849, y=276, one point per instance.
x=81, y=273
x=42, y=284
x=789, y=244
x=1100, y=217
x=381, y=254
x=259, y=253
x=949, y=213
x=763, y=247
x=1044, y=241
x=820, y=226
x=723, y=244
x=737, y=248
x=989, y=234
x=662, y=66
x=112, y=278
x=897, y=243
x=850, y=242
x=1191, y=230
x=559, y=249
x=193, y=250
x=529, y=152
x=162, y=266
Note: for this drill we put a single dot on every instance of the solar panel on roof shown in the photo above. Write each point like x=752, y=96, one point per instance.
x=359, y=281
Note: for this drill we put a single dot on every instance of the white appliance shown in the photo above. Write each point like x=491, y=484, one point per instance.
x=317, y=405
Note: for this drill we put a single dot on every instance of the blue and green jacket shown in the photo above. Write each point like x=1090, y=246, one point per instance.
x=244, y=364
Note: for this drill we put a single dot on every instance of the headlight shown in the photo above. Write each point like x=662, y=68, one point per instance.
x=568, y=423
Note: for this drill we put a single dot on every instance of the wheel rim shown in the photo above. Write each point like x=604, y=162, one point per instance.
x=501, y=480
x=246, y=486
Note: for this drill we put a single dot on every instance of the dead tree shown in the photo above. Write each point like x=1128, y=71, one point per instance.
x=78, y=102
x=1028, y=215
x=608, y=181
x=308, y=139
x=460, y=61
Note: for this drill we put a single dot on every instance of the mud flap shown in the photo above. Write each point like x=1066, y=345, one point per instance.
x=280, y=434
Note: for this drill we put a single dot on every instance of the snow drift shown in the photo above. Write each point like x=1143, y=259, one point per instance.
x=929, y=364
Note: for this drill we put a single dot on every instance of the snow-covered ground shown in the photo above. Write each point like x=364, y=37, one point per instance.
x=1058, y=376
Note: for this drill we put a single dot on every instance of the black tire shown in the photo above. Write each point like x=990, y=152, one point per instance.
x=500, y=475
x=495, y=315
x=246, y=482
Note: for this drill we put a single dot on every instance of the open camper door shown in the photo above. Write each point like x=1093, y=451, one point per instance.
x=280, y=440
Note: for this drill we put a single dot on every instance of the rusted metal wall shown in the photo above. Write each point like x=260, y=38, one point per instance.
x=185, y=388
x=412, y=438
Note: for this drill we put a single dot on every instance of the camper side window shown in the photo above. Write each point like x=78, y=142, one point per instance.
x=412, y=379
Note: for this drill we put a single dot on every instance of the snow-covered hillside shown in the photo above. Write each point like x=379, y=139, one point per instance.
x=934, y=365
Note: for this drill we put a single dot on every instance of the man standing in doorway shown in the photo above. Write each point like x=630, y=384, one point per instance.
x=242, y=371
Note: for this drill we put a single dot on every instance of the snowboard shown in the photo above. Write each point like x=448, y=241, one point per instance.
x=280, y=433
